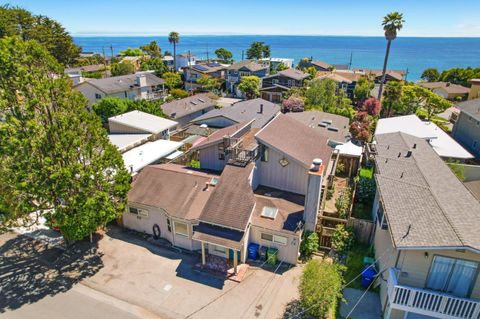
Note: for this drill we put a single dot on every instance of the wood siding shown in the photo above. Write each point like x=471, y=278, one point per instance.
x=209, y=158
x=286, y=253
x=292, y=178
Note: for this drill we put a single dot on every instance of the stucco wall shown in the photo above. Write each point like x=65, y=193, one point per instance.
x=288, y=253
x=466, y=131
x=387, y=253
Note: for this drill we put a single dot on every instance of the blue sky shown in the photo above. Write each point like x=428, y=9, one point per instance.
x=304, y=17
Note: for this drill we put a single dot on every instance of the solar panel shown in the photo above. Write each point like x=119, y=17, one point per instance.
x=269, y=212
x=200, y=67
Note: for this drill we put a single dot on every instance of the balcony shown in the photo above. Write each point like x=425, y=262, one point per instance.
x=428, y=302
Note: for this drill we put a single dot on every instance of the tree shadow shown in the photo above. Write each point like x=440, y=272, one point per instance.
x=294, y=309
x=31, y=269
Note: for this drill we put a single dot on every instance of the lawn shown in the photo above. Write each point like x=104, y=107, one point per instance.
x=366, y=172
x=355, y=264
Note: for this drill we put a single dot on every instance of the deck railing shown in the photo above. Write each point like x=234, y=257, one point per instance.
x=428, y=302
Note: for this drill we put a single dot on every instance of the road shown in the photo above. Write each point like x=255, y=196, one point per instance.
x=80, y=302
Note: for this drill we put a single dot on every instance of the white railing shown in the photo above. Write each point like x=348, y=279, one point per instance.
x=428, y=302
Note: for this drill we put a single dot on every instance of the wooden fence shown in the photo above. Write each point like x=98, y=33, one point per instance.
x=363, y=229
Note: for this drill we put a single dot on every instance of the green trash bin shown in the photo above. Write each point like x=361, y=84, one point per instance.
x=272, y=256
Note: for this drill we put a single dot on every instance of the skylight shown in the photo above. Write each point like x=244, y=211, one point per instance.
x=269, y=212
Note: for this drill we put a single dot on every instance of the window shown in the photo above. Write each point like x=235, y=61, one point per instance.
x=221, y=152
x=169, y=225
x=267, y=237
x=181, y=228
x=133, y=210
x=290, y=83
x=98, y=96
x=138, y=211
x=274, y=238
x=264, y=155
x=381, y=219
x=219, y=249
x=275, y=81
x=451, y=275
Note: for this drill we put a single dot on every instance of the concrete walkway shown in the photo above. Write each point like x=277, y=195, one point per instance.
x=368, y=308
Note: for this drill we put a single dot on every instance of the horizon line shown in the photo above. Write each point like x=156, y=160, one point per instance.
x=79, y=35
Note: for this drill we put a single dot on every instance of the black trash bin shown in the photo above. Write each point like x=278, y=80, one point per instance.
x=263, y=253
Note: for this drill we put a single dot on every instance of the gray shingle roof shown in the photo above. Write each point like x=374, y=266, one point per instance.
x=232, y=201
x=123, y=83
x=244, y=111
x=471, y=107
x=250, y=65
x=420, y=190
x=179, y=108
x=338, y=130
x=295, y=139
x=291, y=73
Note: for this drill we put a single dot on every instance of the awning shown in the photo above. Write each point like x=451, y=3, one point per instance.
x=220, y=236
x=349, y=149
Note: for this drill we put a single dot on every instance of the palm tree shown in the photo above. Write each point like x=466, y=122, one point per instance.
x=174, y=38
x=392, y=23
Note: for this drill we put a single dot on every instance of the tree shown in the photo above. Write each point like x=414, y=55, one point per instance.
x=110, y=106
x=342, y=238
x=293, y=104
x=320, y=94
x=155, y=64
x=152, y=49
x=132, y=52
x=56, y=161
x=392, y=23
x=372, y=106
x=15, y=21
x=123, y=68
x=312, y=71
x=430, y=75
x=362, y=90
x=391, y=97
x=172, y=80
x=250, y=85
x=209, y=83
x=281, y=67
x=360, y=127
x=416, y=97
x=258, y=50
x=320, y=287
x=309, y=244
x=178, y=93
x=224, y=55
x=460, y=76
x=174, y=38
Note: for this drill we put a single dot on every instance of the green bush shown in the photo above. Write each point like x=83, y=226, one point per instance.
x=320, y=287
x=343, y=203
x=194, y=164
x=342, y=238
x=309, y=244
x=366, y=188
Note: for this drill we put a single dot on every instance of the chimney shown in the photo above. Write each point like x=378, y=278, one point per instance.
x=261, y=108
x=313, y=196
x=141, y=80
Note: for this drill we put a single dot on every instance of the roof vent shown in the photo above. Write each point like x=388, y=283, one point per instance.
x=193, y=102
x=399, y=154
x=201, y=100
x=327, y=121
x=322, y=124
x=331, y=128
x=269, y=212
x=415, y=145
x=409, y=153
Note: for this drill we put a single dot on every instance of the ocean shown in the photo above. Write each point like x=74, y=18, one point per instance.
x=407, y=53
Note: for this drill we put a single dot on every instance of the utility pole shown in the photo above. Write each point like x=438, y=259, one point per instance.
x=104, y=59
x=208, y=60
x=351, y=58
x=111, y=50
x=406, y=74
x=243, y=55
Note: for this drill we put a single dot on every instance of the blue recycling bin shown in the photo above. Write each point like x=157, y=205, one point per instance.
x=368, y=275
x=253, y=251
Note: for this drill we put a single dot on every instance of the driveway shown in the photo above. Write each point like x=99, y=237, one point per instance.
x=156, y=280
x=368, y=305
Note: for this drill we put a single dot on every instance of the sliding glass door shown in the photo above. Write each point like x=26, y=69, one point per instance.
x=453, y=276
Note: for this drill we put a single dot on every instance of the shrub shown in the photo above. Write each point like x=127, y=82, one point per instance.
x=320, y=287
x=178, y=93
x=309, y=244
x=342, y=238
x=194, y=164
x=330, y=192
x=365, y=189
x=343, y=202
x=293, y=104
x=372, y=106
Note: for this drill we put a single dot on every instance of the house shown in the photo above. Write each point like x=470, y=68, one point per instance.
x=273, y=86
x=268, y=192
x=345, y=79
x=78, y=74
x=474, y=89
x=376, y=74
x=334, y=127
x=427, y=242
x=136, y=61
x=189, y=108
x=257, y=109
x=319, y=65
x=137, y=122
x=168, y=61
x=466, y=129
x=184, y=60
x=445, y=146
x=447, y=90
x=195, y=72
x=275, y=62
x=133, y=86
x=236, y=71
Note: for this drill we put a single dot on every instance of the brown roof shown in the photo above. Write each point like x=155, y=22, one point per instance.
x=448, y=87
x=419, y=191
x=179, y=190
x=289, y=205
x=295, y=139
x=321, y=64
x=232, y=200
x=333, y=126
x=217, y=136
x=250, y=65
x=188, y=105
x=291, y=73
